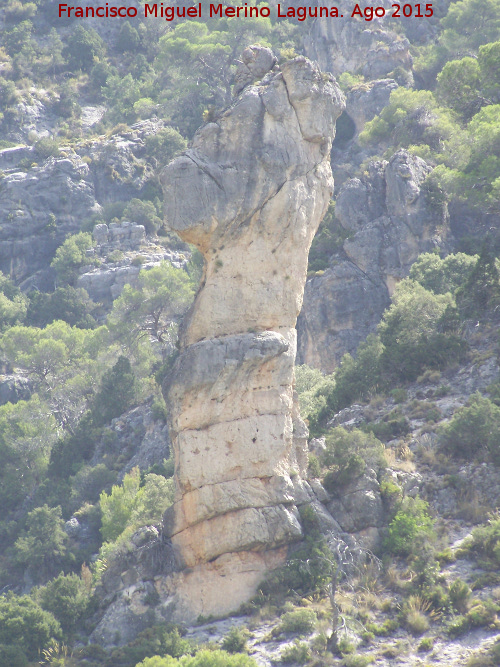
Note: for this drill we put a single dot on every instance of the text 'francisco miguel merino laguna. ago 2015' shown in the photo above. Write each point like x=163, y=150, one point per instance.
x=301, y=13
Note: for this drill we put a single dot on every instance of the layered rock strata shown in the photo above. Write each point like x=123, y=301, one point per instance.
x=250, y=194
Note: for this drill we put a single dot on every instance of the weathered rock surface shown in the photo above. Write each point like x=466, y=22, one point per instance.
x=42, y=201
x=15, y=387
x=391, y=221
x=356, y=46
x=366, y=101
x=250, y=194
x=105, y=282
x=136, y=438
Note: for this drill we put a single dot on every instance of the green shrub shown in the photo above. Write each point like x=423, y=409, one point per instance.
x=399, y=395
x=24, y=624
x=203, y=658
x=89, y=482
x=308, y=571
x=42, y=547
x=66, y=598
x=416, y=622
x=412, y=329
x=149, y=644
x=236, y=640
x=72, y=255
x=46, y=148
x=393, y=425
x=132, y=505
x=83, y=49
x=359, y=660
x=458, y=626
x=385, y=629
x=116, y=393
x=490, y=658
x=348, y=453
x=298, y=653
x=358, y=378
x=474, y=430
x=482, y=614
x=13, y=656
x=314, y=467
x=481, y=291
x=71, y=305
x=460, y=594
x=328, y=240
x=164, y=146
x=298, y=622
x=442, y=275
x=142, y=213
x=425, y=645
x=411, y=526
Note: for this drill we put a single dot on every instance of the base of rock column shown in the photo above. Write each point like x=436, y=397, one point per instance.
x=219, y=587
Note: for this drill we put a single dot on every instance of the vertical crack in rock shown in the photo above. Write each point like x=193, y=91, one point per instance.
x=250, y=194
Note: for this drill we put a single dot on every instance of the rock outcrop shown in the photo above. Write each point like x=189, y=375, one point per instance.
x=354, y=45
x=250, y=194
x=390, y=220
x=43, y=200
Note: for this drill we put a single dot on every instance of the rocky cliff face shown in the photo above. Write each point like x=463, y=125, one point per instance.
x=42, y=201
x=250, y=194
x=391, y=220
x=351, y=44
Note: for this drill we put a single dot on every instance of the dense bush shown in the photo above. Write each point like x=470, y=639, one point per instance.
x=133, y=505
x=203, y=658
x=236, y=640
x=43, y=546
x=83, y=49
x=68, y=304
x=474, y=430
x=298, y=622
x=347, y=454
x=25, y=626
x=72, y=255
x=13, y=304
x=411, y=526
x=66, y=598
x=439, y=275
x=142, y=213
x=327, y=241
x=46, y=148
x=480, y=293
x=164, y=146
x=412, y=332
x=116, y=394
x=150, y=644
x=484, y=543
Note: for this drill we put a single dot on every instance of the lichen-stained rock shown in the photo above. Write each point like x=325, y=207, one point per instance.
x=390, y=221
x=250, y=194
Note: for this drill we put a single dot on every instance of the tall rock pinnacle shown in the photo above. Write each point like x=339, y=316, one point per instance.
x=250, y=194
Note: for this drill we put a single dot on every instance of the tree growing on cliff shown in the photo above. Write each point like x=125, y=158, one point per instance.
x=154, y=307
x=71, y=255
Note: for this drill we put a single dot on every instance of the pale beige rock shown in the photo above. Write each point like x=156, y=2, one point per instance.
x=213, y=588
x=250, y=194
